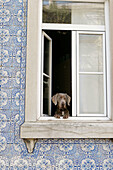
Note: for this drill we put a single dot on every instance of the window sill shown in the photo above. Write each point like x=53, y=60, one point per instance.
x=67, y=129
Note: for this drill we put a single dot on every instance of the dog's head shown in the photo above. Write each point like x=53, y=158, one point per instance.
x=61, y=99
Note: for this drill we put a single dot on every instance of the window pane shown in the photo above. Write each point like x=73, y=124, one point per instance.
x=91, y=94
x=46, y=55
x=73, y=13
x=91, y=53
x=46, y=98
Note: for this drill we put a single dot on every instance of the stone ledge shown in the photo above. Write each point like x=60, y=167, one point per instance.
x=66, y=129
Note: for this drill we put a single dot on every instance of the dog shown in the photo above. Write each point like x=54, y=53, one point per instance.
x=61, y=99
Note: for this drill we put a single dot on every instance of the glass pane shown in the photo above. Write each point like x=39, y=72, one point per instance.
x=46, y=95
x=73, y=13
x=46, y=56
x=91, y=53
x=91, y=94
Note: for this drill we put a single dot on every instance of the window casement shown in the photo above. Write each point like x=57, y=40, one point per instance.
x=86, y=26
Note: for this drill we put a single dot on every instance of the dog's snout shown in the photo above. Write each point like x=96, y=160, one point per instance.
x=63, y=104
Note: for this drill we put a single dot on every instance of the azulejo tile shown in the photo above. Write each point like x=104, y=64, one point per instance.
x=65, y=163
x=5, y=2
x=4, y=163
x=65, y=149
x=5, y=93
x=9, y=137
x=88, y=164
x=15, y=115
x=16, y=94
x=10, y=72
x=15, y=104
x=19, y=163
x=5, y=114
x=23, y=61
x=6, y=127
x=5, y=104
x=17, y=2
x=6, y=60
x=46, y=163
x=2, y=143
x=16, y=82
x=107, y=164
x=88, y=148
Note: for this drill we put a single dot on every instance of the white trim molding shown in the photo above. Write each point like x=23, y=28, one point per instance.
x=34, y=127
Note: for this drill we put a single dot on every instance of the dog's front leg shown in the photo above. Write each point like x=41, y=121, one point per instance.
x=57, y=114
x=66, y=114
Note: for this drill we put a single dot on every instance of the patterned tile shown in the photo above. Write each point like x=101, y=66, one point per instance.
x=50, y=154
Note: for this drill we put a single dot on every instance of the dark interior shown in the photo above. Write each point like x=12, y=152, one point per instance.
x=61, y=64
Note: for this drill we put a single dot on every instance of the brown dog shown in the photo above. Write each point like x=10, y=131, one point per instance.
x=61, y=99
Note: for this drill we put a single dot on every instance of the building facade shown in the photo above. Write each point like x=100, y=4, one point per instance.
x=59, y=154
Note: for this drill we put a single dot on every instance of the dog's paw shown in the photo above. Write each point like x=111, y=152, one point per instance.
x=57, y=116
x=65, y=117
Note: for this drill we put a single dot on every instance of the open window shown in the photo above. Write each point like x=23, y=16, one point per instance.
x=74, y=44
x=79, y=55
x=46, y=73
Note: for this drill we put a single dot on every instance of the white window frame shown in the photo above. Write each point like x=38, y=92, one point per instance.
x=50, y=71
x=36, y=126
x=91, y=73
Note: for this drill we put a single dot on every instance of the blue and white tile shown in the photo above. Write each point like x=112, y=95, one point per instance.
x=88, y=148
x=15, y=115
x=23, y=61
x=6, y=2
x=106, y=148
x=22, y=94
x=23, y=73
x=5, y=114
x=17, y=2
x=65, y=163
x=16, y=93
x=22, y=83
x=44, y=162
x=18, y=163
x=7, y=51
x=8, y=136
x=106, y=162
x=16, y=61
x=4, y=163
x=8, y=21
x=15, y=104
x=6, y=83
x=6, y=93
x=18, y=21
x=17, y=51
x=65, y=149
x=5, y=104
x=22, y=105
x=6, y=126
x=16, y=82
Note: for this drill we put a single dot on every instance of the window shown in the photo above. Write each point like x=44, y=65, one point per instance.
x=74, y=55
x=87, y=55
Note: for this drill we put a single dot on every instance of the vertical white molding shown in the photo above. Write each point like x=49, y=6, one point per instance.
x=39, y=38
x=74, y=69
x=33, y=65
x=108, y=58
x=111, y=54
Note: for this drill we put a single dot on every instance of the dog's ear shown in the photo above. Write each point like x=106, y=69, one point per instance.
x=54, y=99
x=68, y=99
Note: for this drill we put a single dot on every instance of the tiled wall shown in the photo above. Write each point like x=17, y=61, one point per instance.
x=48, y=154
